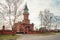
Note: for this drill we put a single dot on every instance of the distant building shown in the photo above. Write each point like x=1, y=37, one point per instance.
x=24, y=26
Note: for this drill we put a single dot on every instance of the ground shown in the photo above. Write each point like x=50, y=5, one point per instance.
x=8, y=37
x=39, y=37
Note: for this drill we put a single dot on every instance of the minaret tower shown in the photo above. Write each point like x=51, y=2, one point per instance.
x=26, y=15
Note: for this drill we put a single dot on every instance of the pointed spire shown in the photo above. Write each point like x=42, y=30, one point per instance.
x=26, y=7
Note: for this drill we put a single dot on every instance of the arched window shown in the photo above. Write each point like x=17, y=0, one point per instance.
x=28, y=27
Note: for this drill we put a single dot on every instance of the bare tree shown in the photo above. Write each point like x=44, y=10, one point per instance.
x=11, y=9
x=2, y=15
x=46, y=18
x=41, y=17
x=16, y=9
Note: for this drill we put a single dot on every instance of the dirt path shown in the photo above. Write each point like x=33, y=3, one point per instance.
x=38, y=37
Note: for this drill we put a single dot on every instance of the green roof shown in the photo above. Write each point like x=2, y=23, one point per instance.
x=26, y=8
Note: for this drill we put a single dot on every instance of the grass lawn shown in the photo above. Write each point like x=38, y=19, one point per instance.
x=6, y=37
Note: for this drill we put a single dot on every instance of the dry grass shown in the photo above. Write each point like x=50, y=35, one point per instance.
x=6, y=37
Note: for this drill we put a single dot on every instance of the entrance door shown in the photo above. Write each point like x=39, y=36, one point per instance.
x=21, y=31
x=27, y=29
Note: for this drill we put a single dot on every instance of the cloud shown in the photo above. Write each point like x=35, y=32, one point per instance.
x=35, y=6
x=56, y=3
x=55, y=7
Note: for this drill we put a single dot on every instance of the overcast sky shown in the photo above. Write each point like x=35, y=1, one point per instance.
x=35, y=6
